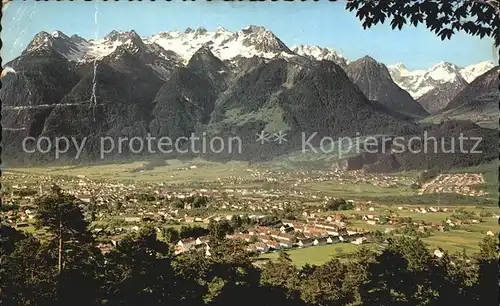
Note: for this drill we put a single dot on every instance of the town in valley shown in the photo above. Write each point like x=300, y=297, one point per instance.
x=315, y=214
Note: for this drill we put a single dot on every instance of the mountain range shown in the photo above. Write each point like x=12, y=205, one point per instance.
x=219, y=83
x=374, y=79
x=438, y=85
x=477, y=101
x=433, y=88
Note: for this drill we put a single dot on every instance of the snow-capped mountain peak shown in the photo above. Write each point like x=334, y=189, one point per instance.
x=443, y=72
x=262, y=40
x=316, y=51
x=248, y=42
x=70, y=48
x=59, y=34
x=115, y=37
x=221, y=29
x=320, y=53
x=101, y=48
x=471, y=72
x=398, y=66
x=253, y=29
x=40, y=39
x=419, y=82
x=75, y=48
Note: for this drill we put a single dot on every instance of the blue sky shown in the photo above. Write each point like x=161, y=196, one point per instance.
x=322, y=23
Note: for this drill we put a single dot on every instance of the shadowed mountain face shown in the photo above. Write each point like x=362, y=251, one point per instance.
x=438, y=98
x=477, y=92
x=184, y=103
x=300, y=100
x=281, y=95
x=374, y=80
x=28, y=96
x=124, y=86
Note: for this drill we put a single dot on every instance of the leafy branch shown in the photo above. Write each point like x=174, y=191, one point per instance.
x=443, y=17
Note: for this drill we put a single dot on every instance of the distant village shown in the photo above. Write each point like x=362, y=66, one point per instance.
x=117, y=208
x=455, y=183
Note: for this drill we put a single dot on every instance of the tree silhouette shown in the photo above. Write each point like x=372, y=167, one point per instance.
x=487, y=283
x=60, y=215
x=170, y=235
x=28, y=275
x=8, y=238
x=488, y=249
x=443, y=17
x=449, y=281
x=390, y=282
x=219, y=229
x=328, y=285
x=283, y=274
x=140, y=271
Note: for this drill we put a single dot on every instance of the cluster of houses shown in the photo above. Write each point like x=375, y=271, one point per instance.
x=461, y=183
x=19, y=218
x=338, y=175
x=348, y=177
x=104, y=193
x=292, y=234
x=425, y=210
x=452, y=222
x=189, y=244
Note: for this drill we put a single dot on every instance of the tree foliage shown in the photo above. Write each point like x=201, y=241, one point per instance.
x=445, y=18
x=338, y=204
x=219, y=229
x=143, y=270
x=61, y=211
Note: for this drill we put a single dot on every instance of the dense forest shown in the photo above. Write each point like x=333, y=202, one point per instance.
x=68, y=269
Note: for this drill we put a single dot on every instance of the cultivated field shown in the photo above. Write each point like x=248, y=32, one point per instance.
x=320, y=254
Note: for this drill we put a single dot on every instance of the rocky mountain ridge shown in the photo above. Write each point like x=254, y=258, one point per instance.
x=220, y=83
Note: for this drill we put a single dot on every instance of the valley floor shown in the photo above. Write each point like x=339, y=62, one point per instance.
x=387, y=195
